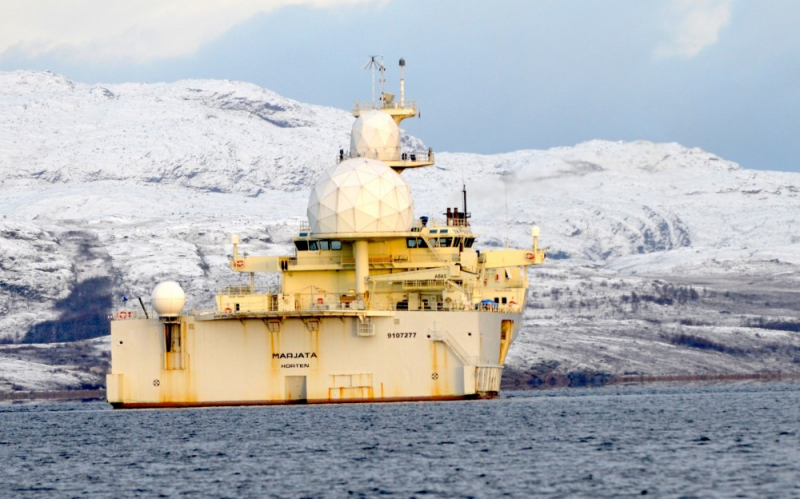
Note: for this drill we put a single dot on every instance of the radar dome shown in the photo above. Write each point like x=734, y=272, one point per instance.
x=360, y=195
x=168, y=299
x=375, y=135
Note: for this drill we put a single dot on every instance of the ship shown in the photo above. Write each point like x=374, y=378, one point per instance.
x=372, y=304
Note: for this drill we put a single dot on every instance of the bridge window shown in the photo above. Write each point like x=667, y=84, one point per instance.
x=312, y=245
x=301, y=245
x=324, y=245
x=336, y=245
x=418, y=242
x=468, y=242
x=445, y=242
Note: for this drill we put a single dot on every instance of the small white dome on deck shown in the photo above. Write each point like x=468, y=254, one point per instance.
x=168, y=299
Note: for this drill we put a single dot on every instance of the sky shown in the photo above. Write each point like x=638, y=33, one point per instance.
x=488, y=76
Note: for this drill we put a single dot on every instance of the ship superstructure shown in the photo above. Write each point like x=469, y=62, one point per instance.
x=373, y=304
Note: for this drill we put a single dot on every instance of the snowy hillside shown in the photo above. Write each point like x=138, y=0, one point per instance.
x=106, y=190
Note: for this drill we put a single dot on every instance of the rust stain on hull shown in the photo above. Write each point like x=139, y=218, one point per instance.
x=167, y=405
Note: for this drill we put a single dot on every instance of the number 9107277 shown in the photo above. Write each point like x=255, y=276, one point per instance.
x=401, y=335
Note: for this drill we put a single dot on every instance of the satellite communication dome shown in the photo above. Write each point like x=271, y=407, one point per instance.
x=375, y=135
x=360, y=195
x=168, y=299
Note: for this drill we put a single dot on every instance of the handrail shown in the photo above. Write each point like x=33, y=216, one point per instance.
x=448, y=340
x=369, y=106
x=394, y=154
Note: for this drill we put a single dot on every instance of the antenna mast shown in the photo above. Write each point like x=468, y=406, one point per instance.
x=402, y=83
x=382, y=70
x=505, y=190
x=466, y=213
x=372, y=64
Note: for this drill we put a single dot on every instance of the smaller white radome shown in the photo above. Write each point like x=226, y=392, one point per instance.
x=375, y=135
x=168, y=299
x=360, y=195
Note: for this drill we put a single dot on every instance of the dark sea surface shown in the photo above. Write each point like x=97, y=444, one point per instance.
x=716, y=440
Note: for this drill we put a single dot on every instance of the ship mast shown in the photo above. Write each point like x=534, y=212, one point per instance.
x=397, y=110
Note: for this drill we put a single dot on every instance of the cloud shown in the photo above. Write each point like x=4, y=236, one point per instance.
x=140, y=30
x=694, y=25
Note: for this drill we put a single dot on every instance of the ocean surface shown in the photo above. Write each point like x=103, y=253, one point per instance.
x=713, y=440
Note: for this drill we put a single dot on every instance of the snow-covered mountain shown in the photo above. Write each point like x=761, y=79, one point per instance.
x=106, y=190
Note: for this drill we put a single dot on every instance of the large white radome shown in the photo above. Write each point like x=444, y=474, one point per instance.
x=360, y=195
x=375, y=135
x=168, y=299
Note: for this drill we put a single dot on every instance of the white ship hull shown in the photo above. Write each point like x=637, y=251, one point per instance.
x=310, y=358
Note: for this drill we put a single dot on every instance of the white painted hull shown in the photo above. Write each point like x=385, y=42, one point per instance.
x=238, y=360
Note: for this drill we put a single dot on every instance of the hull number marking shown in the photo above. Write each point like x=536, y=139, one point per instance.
x=401, y=335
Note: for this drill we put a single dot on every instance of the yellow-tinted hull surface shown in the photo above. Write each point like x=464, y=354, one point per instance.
x=251, y=360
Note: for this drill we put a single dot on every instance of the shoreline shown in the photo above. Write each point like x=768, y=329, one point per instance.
x=589, y=379
x=59, y=395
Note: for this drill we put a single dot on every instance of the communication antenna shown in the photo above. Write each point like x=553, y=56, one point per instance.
x=402, y=83
x=372, y=64
x=505, y=190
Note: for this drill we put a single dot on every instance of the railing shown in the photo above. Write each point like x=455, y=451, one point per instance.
x=308, y=304
x=122, y=314
x=448, y=340
x=315, y=302
x=368, y=106
x=416, y=226
x=393, y=154
x=439, y=223
x=245, y=290
x=310, y=258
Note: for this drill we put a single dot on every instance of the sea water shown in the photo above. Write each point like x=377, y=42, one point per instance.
x=663, y=441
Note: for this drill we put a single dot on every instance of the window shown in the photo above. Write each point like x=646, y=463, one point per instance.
x=445, y=242
x=336, y=245
x=443, y=231
x=468, y=242
x=312, y=245
x=457, y=241
x=504, y=300
x=301, y=245
x=325, y=245
x=411, y=242
x=434, y=231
